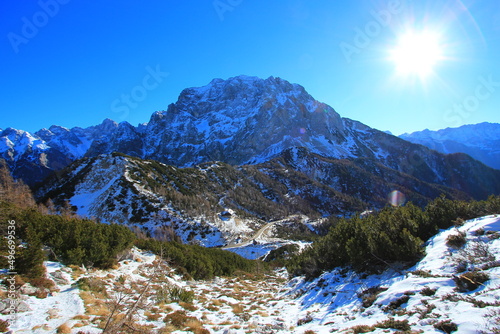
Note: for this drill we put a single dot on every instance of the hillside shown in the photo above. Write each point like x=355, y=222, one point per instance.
x=152, y=195
x=430, y=297
x=96, y=283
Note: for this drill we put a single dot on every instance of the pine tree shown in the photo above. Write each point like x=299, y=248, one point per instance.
x=29, y=260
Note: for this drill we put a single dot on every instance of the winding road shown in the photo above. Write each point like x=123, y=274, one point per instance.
x=257, y=235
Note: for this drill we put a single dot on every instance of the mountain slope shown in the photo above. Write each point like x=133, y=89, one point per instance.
x=34, y=156
x=244, y=120
x=422, y=299
x=192, y=200
x=127, y=190
x=247, y=120
x=480, y=141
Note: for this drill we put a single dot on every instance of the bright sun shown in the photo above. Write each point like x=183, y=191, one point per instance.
x=417, y=53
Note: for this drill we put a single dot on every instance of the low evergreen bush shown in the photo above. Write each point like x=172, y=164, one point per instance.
x=200, y=262
x=392, y=235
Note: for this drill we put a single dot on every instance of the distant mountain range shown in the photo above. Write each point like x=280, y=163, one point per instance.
x=262, y=148
x=480, y=141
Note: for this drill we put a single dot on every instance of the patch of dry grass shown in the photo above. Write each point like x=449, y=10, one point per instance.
x=81, y=317
x=77, y=272
x=152, y=316
x=81, y=324
x=188, y=306
x=167, y=329
x=212, y=308
x=64, y=329
x=193, y=324
x=263, y=314
x=237, y=308
x=44, y=327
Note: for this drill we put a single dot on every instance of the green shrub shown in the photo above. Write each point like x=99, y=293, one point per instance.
x=200, y=262
x=162, y=295
x=92, y=284
x=177, y=294
x=29, y=261
x=388, y=236
x=72, y=240
x=365, y=244
x=282, y=253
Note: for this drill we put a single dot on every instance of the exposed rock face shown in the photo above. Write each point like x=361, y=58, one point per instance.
x=243, y=120
x=247, y=120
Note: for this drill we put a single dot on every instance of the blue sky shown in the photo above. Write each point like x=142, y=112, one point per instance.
x=75, y=63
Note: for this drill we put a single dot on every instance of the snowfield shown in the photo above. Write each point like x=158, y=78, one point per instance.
x=422, y=299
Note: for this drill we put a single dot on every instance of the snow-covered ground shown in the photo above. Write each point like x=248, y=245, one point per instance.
x=422, y=298
x=46, y=314
x=423, y=295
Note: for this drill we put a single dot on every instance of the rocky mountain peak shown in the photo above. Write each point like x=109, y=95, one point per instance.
x=243, y=120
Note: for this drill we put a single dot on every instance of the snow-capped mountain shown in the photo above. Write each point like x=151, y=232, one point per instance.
x=34, y=156
x=246, y=120
x=480, y=141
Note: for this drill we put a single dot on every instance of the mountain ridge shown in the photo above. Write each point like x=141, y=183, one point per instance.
x=245, y=121
x=480, y=141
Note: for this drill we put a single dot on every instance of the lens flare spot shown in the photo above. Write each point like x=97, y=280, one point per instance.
x=397, y=198
x=302, y=131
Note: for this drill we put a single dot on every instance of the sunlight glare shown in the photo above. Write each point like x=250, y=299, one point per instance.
x=417, y=53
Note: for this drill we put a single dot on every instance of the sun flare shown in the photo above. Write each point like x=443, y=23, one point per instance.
x=417, y=53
